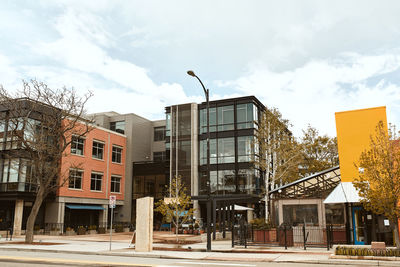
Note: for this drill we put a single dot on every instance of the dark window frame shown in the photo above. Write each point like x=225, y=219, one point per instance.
x=97, y=149
x=115, y=184
x=78, y=145
x=74, y=177
x=116, y=156
x=96, y=180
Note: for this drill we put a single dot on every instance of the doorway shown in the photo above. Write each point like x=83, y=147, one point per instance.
x=358, y=226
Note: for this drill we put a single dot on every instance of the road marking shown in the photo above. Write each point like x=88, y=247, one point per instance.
x=215, y=263
x=54, y=260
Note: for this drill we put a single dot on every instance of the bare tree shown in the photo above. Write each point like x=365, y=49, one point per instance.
x=39, y=123
x=278, y=155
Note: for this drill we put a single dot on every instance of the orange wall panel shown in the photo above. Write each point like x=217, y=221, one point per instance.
x=354, y=130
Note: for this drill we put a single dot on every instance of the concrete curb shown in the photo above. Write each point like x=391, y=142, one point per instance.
x=333, y=261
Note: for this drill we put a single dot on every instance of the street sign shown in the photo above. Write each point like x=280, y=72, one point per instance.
x=113, y=200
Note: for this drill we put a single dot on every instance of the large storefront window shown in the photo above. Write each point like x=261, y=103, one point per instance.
x=300, y=214
x=226, y=181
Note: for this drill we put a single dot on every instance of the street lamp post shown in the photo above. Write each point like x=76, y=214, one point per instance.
x=206, y=92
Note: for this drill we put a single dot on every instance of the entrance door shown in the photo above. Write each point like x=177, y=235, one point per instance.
x=358, y=226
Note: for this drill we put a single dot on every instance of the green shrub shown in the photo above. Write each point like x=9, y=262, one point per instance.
x=349, y=251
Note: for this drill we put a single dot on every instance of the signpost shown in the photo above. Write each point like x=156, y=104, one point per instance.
x=113, y=200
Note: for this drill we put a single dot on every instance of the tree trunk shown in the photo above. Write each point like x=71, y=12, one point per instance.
x=396, y=233
x=32, y=216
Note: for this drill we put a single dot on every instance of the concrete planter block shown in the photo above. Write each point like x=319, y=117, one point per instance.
x=144, y=224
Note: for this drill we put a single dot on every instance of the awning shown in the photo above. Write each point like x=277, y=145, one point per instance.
x=84, y=207
x=344, y=192
x=238, y=208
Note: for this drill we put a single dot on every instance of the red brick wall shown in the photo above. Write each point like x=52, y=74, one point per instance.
x=88, y=164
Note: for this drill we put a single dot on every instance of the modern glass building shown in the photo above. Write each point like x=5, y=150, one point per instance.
x=232, y=132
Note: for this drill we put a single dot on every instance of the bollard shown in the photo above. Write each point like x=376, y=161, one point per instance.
x=304, y=236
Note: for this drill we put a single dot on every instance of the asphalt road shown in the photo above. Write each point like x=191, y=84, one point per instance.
x=34, y=259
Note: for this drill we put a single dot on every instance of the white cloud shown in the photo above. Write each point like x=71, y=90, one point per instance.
x=313, y=92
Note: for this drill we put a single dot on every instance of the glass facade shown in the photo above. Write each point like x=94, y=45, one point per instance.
x=222, y=118
x=232, y=148
x=180, y=123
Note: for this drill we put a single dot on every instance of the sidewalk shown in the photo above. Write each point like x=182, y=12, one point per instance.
x=222, y=250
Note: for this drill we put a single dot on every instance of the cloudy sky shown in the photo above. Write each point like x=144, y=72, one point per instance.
x=309, y=59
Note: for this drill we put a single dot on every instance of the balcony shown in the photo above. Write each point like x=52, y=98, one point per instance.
x=18, y=187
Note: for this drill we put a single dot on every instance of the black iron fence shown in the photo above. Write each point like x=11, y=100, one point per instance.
x=305, y=236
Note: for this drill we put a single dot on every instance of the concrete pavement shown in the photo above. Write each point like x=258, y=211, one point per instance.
x=222, y=250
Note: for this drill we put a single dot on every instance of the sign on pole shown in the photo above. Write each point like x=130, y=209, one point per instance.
x=113, y=200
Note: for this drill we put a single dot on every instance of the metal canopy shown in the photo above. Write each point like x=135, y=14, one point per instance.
x=343, y=193
x=318, y=185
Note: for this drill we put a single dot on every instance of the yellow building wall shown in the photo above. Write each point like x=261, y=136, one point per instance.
x=354, y=129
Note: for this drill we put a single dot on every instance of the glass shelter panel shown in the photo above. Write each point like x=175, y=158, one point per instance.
x=300, y=214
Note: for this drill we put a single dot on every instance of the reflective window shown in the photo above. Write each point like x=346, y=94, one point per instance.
x=203, y=120
x=334, y=213
x=203, y=151
x=225, y=118
x=300, y=214
x=226, y=150
x=168, y=125
x=159, y=133
x=245, y=148
x=245, y=115
x=118, y=126
x=226, y=181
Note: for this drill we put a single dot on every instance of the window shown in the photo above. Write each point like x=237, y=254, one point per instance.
x=159, y=133
x=75, y=179
x=10, y=171
x=118, y=126
x=334, y=213
x=300, y=214
x=116, y=154
x=97, y=150
x=203, y=120
x=226, y=150
x=203, y=151
x=95, y=181
x=245, y=115
x=115, y=184
x=159, y=156
x=245, y=150
x=77, y=145
x=225, y=118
